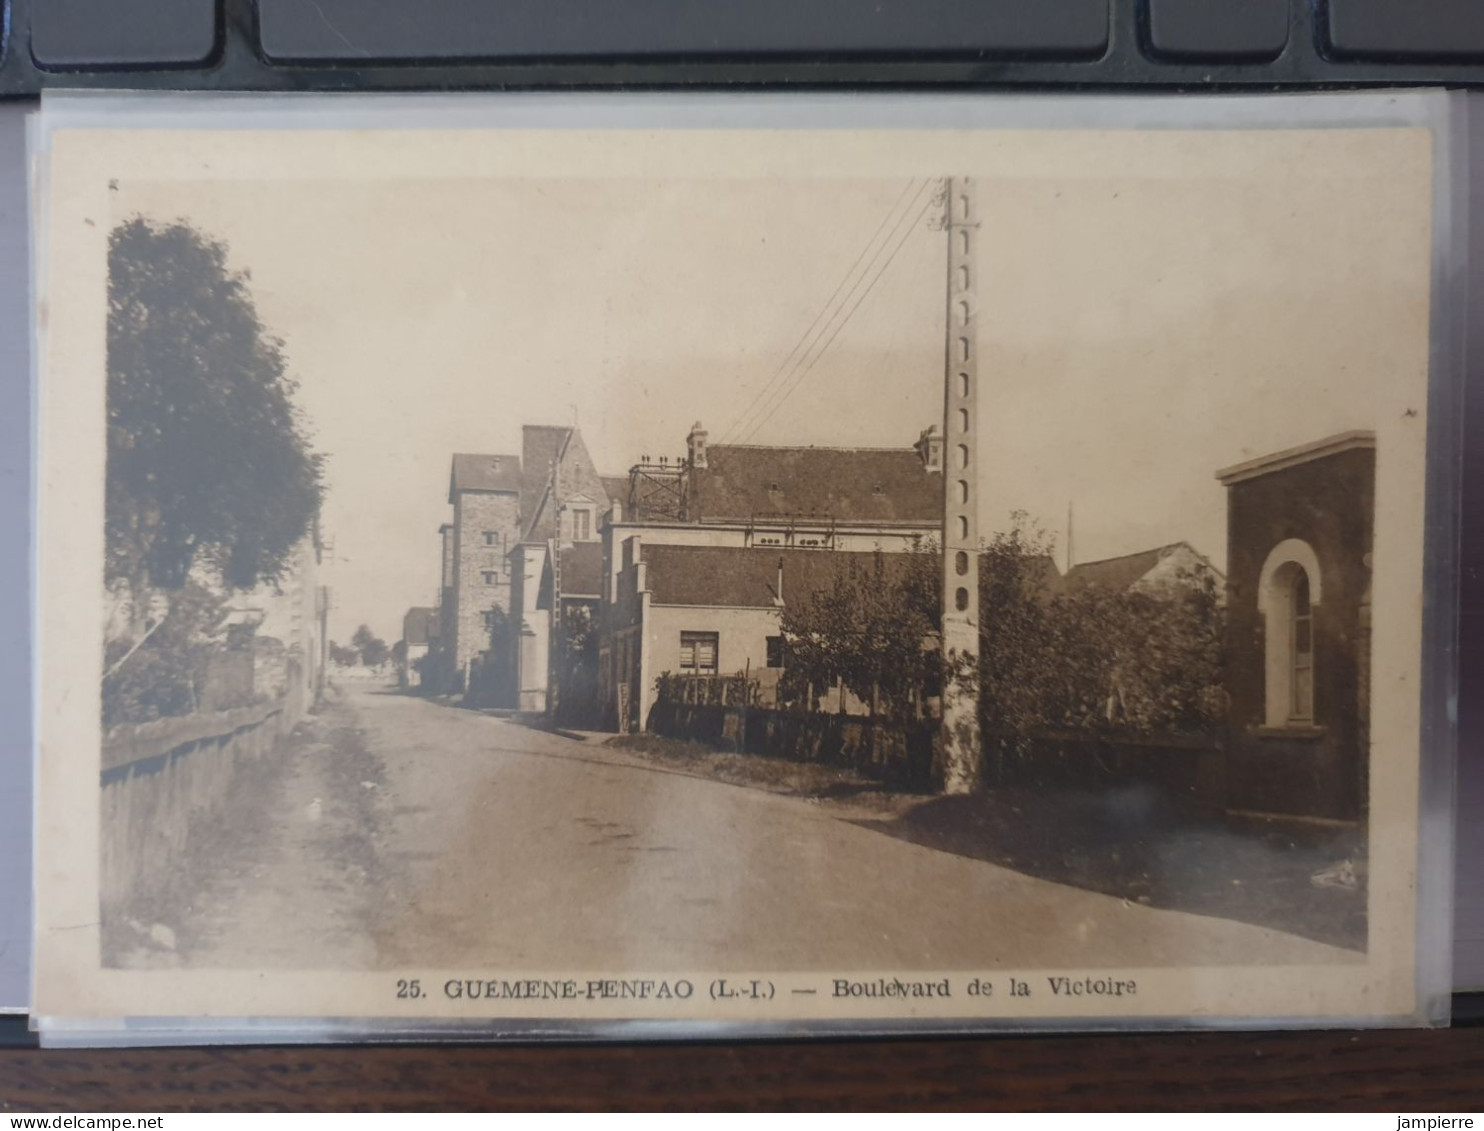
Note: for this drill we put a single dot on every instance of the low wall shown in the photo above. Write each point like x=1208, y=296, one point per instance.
x=160, y=779
x=889, y=753
x=1187, y=770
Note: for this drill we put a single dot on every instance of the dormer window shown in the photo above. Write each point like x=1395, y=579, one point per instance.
x=878, y=490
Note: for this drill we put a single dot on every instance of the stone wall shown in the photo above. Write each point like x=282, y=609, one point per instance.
x=475, y=513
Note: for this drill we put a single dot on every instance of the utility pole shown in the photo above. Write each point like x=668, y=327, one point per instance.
x=556, y=649
x=1069, y=536
x=557, y=636
x=961, y=745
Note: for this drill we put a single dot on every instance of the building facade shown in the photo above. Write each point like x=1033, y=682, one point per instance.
x=552, y=565
x=419, y=632
x=485, y=494
x=1300, y=525
x=288, y=621
x=702, y=555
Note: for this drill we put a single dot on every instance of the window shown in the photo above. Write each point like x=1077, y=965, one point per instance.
x=491, y=538
x=775, y=651
x=1288, y=599
x=491, y=577
x=698, y=652
x=582, y=525
x=1301, y=650
x=491, y=618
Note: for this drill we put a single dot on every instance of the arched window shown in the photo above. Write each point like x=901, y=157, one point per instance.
x=1300, y=646
x=1288, y=595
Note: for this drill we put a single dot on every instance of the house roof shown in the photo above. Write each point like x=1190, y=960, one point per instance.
x=730, y=576
x=582, y=569
x=541, y=444
x=616, y=487
x=1043, y=577
x=419, y=625
x=473, y=472
x=1124, y=572
x=1292, y=457
x=847, y=484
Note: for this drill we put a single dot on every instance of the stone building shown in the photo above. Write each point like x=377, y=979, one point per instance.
x=485, y=493
x=1299, y=533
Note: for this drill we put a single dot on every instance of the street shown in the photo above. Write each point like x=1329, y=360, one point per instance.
x=406, y=834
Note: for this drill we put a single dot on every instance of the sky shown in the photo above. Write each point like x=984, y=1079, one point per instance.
x=1136, y=332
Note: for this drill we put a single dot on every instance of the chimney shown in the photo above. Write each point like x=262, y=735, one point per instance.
x=929, y=449
x=695, y=445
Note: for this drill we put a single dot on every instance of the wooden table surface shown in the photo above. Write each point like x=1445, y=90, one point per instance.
x=1403, y=1071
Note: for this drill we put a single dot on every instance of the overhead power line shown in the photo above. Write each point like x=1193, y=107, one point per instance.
x=826, y=314
x=793, y=384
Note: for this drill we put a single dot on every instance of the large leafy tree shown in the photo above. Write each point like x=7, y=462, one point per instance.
x=371, y=648
x=1095, y=659
x=208, y=459
x=872, y=629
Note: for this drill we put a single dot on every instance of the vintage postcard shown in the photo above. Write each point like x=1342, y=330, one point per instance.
x=773, y=576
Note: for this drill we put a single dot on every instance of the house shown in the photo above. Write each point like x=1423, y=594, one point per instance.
x=701, y=553
x=1300, y=524
x=1151, y=571
x=419, y=630
x=572, y=656
x=286, y=621
x=553, y=566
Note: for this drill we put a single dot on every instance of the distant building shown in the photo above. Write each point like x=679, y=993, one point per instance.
x=552, y=563
x=1299, y=532
x=287, y=620
x=1178, y=564
x=419, y=631
x=693, y=555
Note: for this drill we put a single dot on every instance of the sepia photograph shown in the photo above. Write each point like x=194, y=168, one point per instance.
x=734, y=575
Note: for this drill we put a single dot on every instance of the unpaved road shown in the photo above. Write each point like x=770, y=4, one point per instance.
x=407, y=834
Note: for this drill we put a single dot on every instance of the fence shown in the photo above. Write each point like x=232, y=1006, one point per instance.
x=723, y=712
x=161, y=779
x=708, y=690
x=891, y=753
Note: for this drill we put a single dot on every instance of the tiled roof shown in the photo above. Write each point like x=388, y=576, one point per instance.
x=1125, y=572
x=582, y=569
x=483, y=473
x=847, y=484
x=748, y=578
x=419, y=625
x=541, y=444
x=616, y=487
